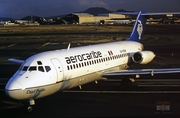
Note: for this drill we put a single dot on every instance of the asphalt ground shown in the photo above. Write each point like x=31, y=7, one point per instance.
x=156, y=96
x=106, y=99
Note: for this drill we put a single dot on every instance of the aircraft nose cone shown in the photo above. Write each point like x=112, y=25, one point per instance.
x=14, y=90
x=14, y=85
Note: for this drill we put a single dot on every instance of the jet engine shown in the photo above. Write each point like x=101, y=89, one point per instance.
x=143, y=57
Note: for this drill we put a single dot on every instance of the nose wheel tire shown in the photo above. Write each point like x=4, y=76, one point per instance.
x=29, y=108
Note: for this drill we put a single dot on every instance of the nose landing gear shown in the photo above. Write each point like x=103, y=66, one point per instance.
x=30, y=107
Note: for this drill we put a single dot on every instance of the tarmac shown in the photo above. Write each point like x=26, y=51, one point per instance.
x=156, y=96
x=106, y=99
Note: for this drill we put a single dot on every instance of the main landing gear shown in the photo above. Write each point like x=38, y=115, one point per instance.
x=127, y=82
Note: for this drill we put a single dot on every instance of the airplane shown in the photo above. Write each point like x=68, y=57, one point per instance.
x=48, y=72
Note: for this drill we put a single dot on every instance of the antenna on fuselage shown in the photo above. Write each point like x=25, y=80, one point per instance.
x=69, y=46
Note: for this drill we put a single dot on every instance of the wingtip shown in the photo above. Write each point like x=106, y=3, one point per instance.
x=16, y=61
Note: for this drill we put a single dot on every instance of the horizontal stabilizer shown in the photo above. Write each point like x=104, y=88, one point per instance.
x=16, y=61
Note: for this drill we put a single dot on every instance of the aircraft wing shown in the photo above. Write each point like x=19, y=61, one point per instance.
x=147, y=13
x=165, y=13
x=16, y=61
x=142, y=72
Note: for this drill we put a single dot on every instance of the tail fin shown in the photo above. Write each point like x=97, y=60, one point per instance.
x=138, y=29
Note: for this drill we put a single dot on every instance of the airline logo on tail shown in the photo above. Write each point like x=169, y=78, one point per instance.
x=140, y=28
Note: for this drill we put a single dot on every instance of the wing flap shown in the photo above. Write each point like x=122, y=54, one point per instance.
x=16, y=61
x=142, y=72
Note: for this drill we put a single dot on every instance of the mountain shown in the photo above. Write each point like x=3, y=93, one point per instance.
x=31, y=18
x=92, y=10
x=53, y=17
x=97, y=10
x=6, y=19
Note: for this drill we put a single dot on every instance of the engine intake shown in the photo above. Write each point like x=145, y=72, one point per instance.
x=137, y=57
x=143, y=57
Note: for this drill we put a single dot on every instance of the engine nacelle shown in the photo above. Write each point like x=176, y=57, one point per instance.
x=143, y=57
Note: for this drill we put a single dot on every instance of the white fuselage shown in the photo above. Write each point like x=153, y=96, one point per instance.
x=48, y=72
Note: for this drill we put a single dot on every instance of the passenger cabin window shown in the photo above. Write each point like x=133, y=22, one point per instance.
x=96, y=61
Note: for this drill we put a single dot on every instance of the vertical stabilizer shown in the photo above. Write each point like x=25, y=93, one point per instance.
x=138, y=29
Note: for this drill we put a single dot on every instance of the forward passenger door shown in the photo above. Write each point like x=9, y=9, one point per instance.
x=59, y=69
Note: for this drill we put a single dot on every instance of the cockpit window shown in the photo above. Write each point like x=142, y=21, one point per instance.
x=47, y=68
x=32, y=68
x=39, y=62
x=21, y=67
x=40, y=68
x=25, y=68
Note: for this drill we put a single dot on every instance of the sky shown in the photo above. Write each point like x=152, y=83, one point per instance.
x=44, y=8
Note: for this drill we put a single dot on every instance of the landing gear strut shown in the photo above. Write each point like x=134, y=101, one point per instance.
x=127, y=82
